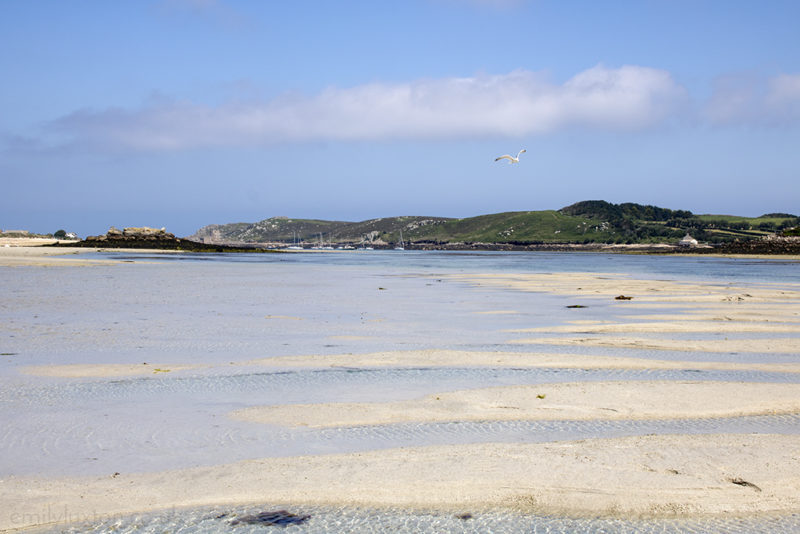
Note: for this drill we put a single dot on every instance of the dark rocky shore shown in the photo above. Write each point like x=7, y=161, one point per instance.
x=772, y=246
x=156, y=239
x=160, y=239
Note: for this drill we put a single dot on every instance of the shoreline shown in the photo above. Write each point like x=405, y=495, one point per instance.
x=643, y=477
x=775, y=250
x=49, y=255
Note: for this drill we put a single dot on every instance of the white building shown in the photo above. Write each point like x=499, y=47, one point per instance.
x=688, y=241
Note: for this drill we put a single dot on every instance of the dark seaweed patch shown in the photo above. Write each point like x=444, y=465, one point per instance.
x=279, y=518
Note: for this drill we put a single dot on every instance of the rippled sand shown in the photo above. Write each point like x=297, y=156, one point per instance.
x=649, y=476
x=577, y=401
x=456, y=358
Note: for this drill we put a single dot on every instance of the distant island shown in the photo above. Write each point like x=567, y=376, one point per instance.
x=592, y=224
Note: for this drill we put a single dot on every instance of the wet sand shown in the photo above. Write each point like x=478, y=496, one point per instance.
x=33, y=251
x=647, y=476
x=107, y=370
x=456, y=358
x=572, y=401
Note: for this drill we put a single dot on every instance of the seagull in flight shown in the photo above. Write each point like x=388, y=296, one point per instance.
x=511, y=159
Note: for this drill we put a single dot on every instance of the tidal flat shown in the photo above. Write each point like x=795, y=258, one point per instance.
x=430, y=391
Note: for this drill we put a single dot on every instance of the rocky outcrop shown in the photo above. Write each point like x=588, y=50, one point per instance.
x=142, y=237
x=154, y=238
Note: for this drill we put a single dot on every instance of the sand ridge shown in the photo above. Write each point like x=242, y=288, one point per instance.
x=629, y=400
x=104, y=370
x=786, y=345
x=646, y=476
x=459, y=358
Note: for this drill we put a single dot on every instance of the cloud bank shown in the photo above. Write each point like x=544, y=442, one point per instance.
x=628, y=98
x=514, y=104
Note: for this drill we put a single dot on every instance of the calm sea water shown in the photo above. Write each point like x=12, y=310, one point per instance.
x=219, y=309
x=656, y=266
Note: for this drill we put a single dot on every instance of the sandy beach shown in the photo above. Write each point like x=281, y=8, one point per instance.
x=650, y=476
x=36, y=252
x=41, y=255
x=640, y=476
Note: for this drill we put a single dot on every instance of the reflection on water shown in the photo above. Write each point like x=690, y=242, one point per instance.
x=661, y=266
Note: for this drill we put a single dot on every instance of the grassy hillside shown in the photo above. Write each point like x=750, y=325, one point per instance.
x=523, y=227
x=584, y=222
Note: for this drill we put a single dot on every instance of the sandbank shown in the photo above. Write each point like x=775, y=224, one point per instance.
x=706, y=313
x=695, y=326
x=611, y=285
x=457, y=358
x=104, y=370
x=570, y=401
x=767, y=345
x=45, y=256
x=12, y=256
x=646, y=476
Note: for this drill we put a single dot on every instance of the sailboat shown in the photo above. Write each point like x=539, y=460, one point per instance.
x=295, y=246
x=322, y=245
x=400, y=246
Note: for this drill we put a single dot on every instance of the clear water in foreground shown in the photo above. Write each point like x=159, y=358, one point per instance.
x=222, y=309
x=363, y=520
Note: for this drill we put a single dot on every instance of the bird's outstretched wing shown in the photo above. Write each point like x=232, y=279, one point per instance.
x=504, y=156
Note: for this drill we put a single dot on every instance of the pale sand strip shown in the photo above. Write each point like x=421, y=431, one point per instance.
x=524, y=360
x=417, y=359
x=570, y=401
x=7, y=242
x=609, y=285
x=16, y=256
x=704, y=313
x=104, y=369
x=696, y=326
x=647, y=476
x=771, y=345
x=42, y=256
x=456, y=358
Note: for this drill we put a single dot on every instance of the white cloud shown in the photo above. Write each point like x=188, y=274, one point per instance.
x=518, y=103
x=752, y=101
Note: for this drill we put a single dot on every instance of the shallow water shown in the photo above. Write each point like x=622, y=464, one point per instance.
x=186, y=421
x=217, y=309
x=363, y=520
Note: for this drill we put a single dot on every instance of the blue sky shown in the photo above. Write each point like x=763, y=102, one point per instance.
x=182, y=113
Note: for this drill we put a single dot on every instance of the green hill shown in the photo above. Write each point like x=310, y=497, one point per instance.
x=592, y=221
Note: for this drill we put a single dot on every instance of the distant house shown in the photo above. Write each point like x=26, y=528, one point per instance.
x=688, y=241
x=71, y=235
